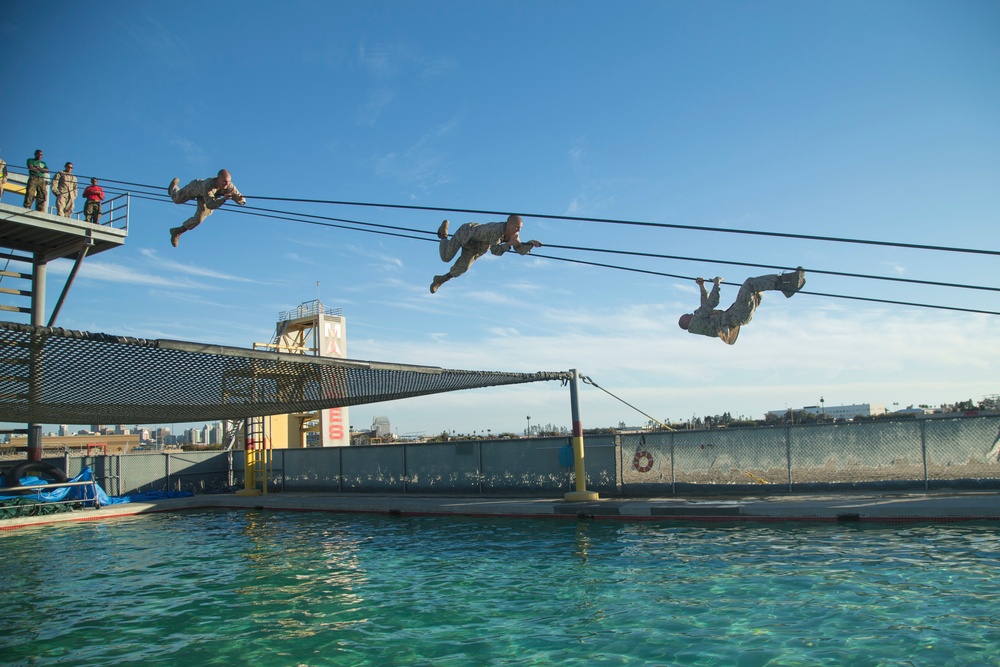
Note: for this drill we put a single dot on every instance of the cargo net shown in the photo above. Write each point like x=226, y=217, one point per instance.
x=57, y=376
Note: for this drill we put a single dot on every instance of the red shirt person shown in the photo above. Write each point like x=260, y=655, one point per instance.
x=94, y=195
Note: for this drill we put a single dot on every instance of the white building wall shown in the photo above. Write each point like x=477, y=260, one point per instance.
x=846, y=411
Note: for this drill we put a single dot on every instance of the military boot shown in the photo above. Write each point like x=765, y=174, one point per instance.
x=438, y=281
x=175, y=235
x=790, y=283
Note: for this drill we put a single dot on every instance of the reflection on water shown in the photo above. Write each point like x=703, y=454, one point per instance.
x=274, y=589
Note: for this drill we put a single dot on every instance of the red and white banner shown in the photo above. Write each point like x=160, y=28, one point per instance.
x=334, y=424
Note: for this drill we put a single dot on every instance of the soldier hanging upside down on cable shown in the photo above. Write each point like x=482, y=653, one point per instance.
x=725, y=324
x=474, y=240
x=210, y=193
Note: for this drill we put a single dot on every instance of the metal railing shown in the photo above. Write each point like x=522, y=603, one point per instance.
x=31, y=508
x=114, y=211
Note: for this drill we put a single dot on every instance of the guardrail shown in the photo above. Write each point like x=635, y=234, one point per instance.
x=114, y=211
x=38, y=489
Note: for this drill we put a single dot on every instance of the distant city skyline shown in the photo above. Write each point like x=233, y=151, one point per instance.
x=832, y=410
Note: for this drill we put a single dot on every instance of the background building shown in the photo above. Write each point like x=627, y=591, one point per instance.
x=836, y=411
x=381, y=427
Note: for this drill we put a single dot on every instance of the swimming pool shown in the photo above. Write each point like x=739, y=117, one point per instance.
x=287, y=589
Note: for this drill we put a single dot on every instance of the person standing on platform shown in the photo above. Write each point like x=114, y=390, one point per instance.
x=474, y=240
x=36, y=190
x=3, y=175
x=64, y=187
x=210, y=193
x=94, y=195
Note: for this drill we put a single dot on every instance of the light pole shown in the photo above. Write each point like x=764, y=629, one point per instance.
x=529, y=426
x=822, y=407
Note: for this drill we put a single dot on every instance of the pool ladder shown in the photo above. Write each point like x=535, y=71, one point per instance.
x=257, y=448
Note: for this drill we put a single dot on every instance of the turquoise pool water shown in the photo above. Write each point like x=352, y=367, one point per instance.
x=289, y=589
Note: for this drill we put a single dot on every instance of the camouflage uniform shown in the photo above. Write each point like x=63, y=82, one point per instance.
x=208, y=196
x=36, y=190
x=64, y=187
x=725, y=324
x=474, y=240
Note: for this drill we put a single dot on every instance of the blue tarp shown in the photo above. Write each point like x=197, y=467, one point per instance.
x=51, y=498
x=86, y=494
x=83, y=494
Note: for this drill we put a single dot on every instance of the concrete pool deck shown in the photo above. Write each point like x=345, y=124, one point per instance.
x=930, y=507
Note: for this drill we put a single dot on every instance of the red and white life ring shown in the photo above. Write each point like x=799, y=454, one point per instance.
x=642, y=461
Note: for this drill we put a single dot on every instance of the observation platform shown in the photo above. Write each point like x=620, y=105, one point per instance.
x=48, y=237
x=32, y=239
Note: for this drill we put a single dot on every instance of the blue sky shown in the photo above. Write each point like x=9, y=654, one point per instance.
x=849, y=119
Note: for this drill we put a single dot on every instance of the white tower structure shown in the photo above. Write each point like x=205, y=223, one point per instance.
x=314, y=329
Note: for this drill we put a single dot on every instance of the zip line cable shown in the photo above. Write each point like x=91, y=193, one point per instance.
x=587, y=380
x=282, y=215
x=327, y=221
x=900, y=303
x=323, y=221
x=329, y=224
x=295, y=217
x=781, y=268
x=613, y=221
x=831, y=296
x=639, y=223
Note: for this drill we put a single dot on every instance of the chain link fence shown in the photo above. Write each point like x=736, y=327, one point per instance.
x=126, y=474
x=913, y=454
x=923, y=454
x=498, y=467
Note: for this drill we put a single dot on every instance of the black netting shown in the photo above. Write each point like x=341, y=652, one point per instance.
x=56, y=376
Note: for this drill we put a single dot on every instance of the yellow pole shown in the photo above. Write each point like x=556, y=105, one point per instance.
x=266, y=459
x=581, y=492
x=251, y=447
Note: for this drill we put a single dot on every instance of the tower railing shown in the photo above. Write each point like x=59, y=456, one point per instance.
x=309, y=309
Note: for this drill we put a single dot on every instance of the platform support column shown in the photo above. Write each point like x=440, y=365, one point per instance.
x=38, y=271
x=34, y=442
x=581, y=492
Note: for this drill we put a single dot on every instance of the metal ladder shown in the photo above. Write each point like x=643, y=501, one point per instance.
x=15, y=367
x=13, y=290
x=258, y=452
